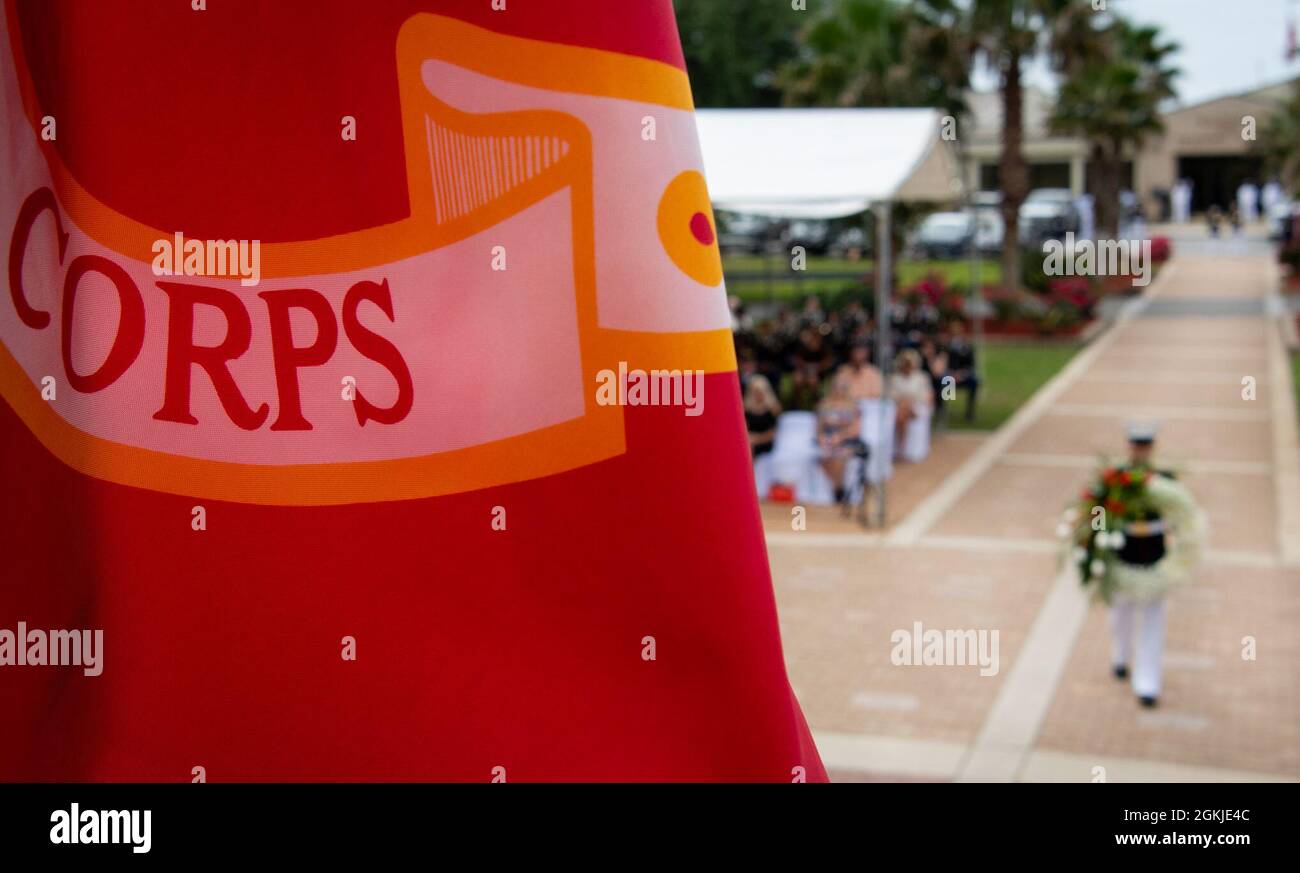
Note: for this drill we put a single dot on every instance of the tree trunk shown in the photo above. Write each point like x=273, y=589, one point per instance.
x=1011, y=170
x=1106, y=196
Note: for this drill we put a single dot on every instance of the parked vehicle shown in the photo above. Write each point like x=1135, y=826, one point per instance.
x=989, y=231
x=991, y=200
x=741, y=233
x=1047, y=213
x=1051, y=195
x=944, y=236
x=850, y=239
x=813, y=235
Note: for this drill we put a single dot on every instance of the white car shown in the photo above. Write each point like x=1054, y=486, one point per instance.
x=1047, y=213
x=944, y=236
x=989, y=231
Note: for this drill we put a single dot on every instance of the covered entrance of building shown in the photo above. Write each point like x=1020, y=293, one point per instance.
x=1216, y=178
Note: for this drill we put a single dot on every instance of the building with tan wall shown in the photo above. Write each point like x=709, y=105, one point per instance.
x=1205, y=142
x=1210, y=144
x=1054, y=161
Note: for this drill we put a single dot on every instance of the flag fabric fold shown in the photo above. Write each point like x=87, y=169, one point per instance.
x=305, y=440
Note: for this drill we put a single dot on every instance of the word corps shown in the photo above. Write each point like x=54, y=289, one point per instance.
x=184, y=301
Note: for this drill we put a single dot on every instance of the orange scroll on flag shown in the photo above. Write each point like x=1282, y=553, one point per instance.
x=369, y=388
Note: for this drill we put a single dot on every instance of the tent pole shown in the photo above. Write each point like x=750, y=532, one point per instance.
x=884, y=355
x=976, y=300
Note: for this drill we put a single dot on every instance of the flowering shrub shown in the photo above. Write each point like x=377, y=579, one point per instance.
x=933, y=290
x=1075, y=291
x=1005, y=302
x=1290, y=255
x=1161, y=249
x=1064, y=303
x=1033, y=275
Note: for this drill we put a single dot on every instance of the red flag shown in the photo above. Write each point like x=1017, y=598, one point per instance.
x=350, y=377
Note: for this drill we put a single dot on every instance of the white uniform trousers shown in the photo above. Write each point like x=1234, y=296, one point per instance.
x=1144, y=664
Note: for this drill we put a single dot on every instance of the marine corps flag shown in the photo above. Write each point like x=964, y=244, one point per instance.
x=369, y=402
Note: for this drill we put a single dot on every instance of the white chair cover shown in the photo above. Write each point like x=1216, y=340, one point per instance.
x=916, y=442
x=878, y=434
x=763, y=475
x=794, y=459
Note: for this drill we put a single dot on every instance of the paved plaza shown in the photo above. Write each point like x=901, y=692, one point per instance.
x=972, y=544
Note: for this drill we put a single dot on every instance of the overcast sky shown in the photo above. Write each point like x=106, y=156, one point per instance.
x=1227, y=46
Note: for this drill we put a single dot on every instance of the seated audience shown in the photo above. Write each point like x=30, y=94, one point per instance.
x=761, y=410
x=860, y=375
x=814, y=351
x=837, y=432
x=821, y=358
x=805, y=389
x=813, y=314
x=910, y=387
x=961, y=364
x=934, y=361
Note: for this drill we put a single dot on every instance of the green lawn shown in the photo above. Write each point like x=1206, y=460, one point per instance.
x=1012, y=372
x=1295, y=380
x=785, y=283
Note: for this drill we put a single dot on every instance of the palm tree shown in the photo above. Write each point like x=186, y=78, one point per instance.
x=857, y=53
x=1005, y=35
x=874, y=53
x=734, y=47
x=1279, y=141
x=884, y=53
x=1113, y=98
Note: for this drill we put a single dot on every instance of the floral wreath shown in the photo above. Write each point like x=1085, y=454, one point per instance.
x=1117, y=498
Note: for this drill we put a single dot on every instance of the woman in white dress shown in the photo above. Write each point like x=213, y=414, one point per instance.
x=910, y=388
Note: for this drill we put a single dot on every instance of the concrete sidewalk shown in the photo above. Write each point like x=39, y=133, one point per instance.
x=979, y=553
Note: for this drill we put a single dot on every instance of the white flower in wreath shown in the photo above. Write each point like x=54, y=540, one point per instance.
x=1187, y=527
x=1111, y=540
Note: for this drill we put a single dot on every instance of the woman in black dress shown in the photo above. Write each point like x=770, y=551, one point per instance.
x=761, y=410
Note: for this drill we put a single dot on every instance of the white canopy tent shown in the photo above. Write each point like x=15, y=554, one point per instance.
x=825, y=163
x=831, y=163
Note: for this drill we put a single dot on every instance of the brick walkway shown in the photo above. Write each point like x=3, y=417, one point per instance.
x=978, y=552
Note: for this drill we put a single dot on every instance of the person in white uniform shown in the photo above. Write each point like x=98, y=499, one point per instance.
x=1137, y=533
x=1248, y=202
x=1085, y=206
x=1182, y=201
x=1272, y=196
